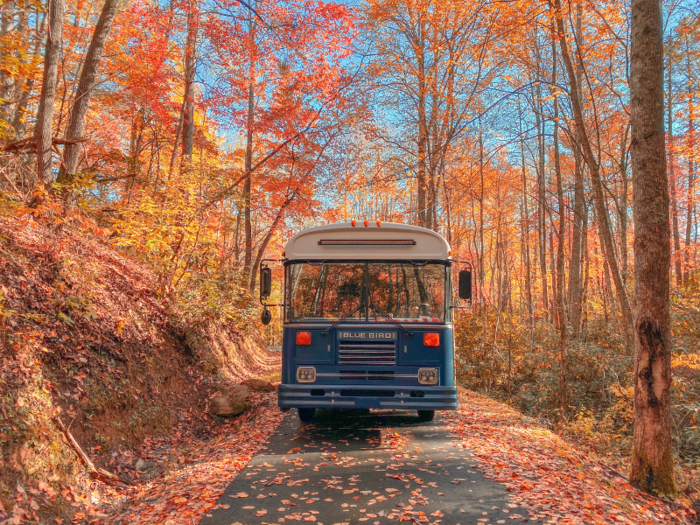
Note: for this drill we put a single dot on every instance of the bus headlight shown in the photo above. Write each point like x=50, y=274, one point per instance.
x=427, y=376
x=306, y=374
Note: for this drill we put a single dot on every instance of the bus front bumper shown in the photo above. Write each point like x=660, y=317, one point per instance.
x=369, y=396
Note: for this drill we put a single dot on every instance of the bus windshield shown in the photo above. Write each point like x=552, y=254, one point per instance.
x=368, y=291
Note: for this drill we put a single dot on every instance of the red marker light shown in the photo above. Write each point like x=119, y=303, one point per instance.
x=379, y=224
x=429, y=339
x=366, y=223
x=353, y=222
x=304, y=338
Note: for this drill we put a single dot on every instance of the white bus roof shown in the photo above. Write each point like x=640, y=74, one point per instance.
x=387, y=240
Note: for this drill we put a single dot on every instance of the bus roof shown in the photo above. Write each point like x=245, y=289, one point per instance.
x=387, y=240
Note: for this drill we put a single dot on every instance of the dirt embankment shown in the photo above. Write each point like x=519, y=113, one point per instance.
x=85, y=343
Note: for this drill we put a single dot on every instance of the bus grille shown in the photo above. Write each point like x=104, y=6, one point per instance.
x=370, y=353
x=365, y=375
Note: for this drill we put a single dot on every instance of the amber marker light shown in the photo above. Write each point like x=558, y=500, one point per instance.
x=429, y=339
x=304, y=338
x=379, y=224
x=366, y=223
x=353, y=222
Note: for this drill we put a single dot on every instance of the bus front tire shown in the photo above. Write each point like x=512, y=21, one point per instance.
x=426, y=415
x=307, y=414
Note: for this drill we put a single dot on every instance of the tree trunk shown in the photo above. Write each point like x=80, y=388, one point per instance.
x=482, y=252
x=135, y=142
x=19, y=123
x=44, y=119
x=418, y=43
x=561, y=307
x=248, y=163
x=237, y=237
x=672, y=174
x=525, y=228
x=577, y=247
x=7, y=80
x=586, y=269
x=448, y=210
x=190, y=57
x=541, y=193
x=652, y=456
x=553, y=266
x=7, y=16
x=691, y=163
x=575, y=267
x=434, y=155
x=624, y=204
x=422, y=153
x=598, y=195
x=88, y=75
x=247, y=185
x=178, y=132
x=605, y=290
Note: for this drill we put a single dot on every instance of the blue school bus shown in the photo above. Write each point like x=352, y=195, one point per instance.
x=367, y=319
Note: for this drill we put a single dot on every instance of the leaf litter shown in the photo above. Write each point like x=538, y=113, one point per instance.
x=186, y=494
x=556, y=482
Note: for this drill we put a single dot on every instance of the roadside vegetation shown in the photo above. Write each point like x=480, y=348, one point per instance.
x=91, y=353
x=514, y=359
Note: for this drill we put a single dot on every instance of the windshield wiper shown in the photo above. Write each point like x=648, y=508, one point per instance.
x=402, y=327
x=340, y=320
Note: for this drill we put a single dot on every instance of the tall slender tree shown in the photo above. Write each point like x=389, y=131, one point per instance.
x=652, y=456
x=44, y=119
x=88, y=76
x=560, y=264
x=690, y=147
x=577, y=248
x=592, y=161
x=190, y=63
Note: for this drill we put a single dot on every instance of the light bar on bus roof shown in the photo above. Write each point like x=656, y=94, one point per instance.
x=367, y=242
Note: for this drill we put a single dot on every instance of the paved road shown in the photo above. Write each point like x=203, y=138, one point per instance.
x=353, y=467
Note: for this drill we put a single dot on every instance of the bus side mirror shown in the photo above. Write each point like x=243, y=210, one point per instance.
x=465, y=284
x=266, y=316
x=265, y=283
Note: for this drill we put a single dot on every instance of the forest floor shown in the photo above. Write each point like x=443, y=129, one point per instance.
x=189, y=468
